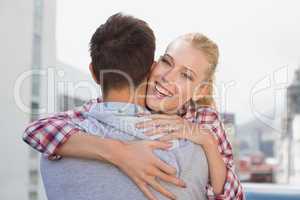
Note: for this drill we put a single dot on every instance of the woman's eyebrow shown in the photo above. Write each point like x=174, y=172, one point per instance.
x=188, y=69
x=172, y=59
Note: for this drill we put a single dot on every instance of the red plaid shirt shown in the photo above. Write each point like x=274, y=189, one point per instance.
x=47, y=134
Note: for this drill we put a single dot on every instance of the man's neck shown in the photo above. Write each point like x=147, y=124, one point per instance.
x=127, y=96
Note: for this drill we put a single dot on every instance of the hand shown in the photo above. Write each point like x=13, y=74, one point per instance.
x=175, y=127
x=137, y=160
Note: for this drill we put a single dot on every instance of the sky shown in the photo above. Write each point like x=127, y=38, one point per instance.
x=259, y=43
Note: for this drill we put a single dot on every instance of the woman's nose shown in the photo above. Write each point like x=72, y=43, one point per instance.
x=169, y=81
x=169, y=76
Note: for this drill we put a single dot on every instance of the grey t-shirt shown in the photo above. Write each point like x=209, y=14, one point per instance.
x=78, y=179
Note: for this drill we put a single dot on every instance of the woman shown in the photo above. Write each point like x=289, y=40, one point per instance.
x=180, y=89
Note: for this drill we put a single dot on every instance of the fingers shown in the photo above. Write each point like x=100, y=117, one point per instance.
x=163, y=116
x=165, y=167
x=152, y=123
x=159, y=145
x=161, y=130
x=161, y=189
x=168, y=178
x=159, y=116
x=150, y=180
x=159, y=163
x=143, y=187
x=172, y=136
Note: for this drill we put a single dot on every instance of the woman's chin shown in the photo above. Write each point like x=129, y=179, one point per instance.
x=152, y=105
x=160, y=107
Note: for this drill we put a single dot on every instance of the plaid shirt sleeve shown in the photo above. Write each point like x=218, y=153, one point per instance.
x=210, y=117
x=47, y=134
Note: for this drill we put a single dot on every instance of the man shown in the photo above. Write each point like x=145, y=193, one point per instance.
x=122, y=52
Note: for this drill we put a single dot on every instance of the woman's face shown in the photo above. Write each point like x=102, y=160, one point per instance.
x=177, y=76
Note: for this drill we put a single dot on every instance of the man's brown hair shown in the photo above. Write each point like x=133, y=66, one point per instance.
x=125, y=44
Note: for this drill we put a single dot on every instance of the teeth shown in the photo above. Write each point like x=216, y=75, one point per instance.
x=162, y=90
x=159, y=92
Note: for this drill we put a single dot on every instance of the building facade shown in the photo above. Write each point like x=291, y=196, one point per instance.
x=34, y=84
x=288, y=147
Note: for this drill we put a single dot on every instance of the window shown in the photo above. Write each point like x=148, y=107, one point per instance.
x=33, y=176
x=33, y=195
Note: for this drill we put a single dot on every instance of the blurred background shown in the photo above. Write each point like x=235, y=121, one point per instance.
x=44, y=60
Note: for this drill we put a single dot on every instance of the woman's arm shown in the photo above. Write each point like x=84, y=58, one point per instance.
x=217, y=167
x=204, y=128
x=232, y=188
x=47, y=134
x=59, y=136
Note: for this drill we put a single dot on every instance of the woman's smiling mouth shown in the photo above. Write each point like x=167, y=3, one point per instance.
x=161, y=91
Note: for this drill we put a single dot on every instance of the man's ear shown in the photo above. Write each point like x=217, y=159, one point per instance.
x=91, y=68
x=151, y=68
x=153, y=65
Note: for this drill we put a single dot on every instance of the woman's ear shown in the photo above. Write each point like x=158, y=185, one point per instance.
x=203, y=95
x=200, y=92
x=91, y=68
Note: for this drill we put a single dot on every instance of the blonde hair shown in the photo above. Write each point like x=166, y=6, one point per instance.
x=211, y=53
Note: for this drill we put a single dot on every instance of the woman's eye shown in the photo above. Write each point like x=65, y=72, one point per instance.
x=187, y=76
x=166, y=61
